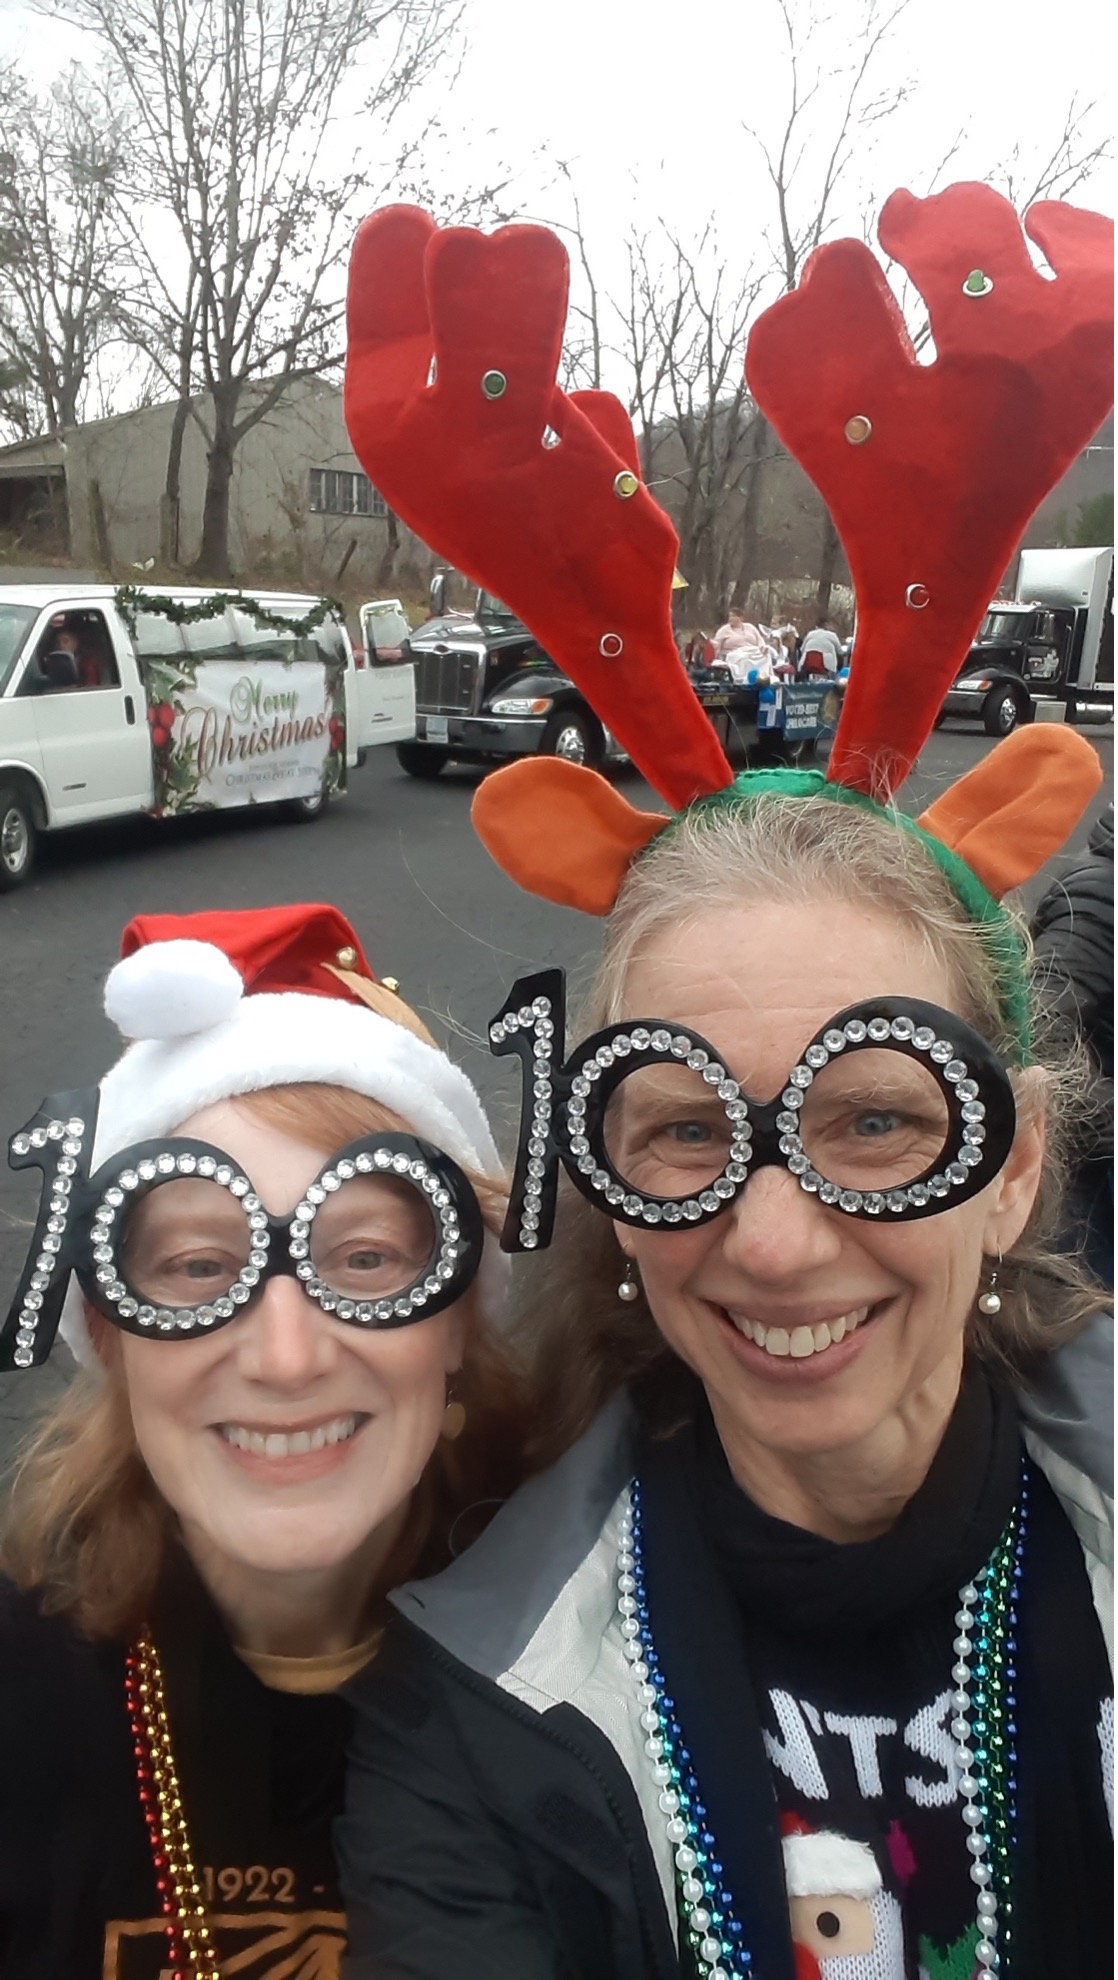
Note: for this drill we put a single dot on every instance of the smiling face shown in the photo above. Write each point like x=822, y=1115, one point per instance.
x=807, y=1327
x=287, y=1438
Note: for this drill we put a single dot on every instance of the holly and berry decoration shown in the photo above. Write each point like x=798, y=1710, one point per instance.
x=161, y=721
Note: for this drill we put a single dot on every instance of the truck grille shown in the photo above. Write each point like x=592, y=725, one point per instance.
x=446, y=681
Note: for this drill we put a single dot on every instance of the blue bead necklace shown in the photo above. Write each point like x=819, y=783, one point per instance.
x=983, y=1726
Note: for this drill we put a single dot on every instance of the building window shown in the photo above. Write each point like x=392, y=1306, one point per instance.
x=335, y=492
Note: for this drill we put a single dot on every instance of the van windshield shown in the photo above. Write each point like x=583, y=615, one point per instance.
x=15, y=620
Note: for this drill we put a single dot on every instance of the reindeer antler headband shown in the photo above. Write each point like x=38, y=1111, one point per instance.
x=931, y=473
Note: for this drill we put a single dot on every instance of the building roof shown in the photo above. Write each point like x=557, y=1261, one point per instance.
x=45, y=456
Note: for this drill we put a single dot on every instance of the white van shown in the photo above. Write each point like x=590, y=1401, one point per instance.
x=109, y=706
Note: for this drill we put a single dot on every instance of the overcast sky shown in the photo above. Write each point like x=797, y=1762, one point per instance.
x=653, y=96
x=647, y=101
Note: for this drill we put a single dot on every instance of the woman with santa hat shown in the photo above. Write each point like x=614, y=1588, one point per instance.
x=268, y=1236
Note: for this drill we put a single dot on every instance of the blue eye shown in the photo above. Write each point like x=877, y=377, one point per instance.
x=872, y=1126
x=693, y=1134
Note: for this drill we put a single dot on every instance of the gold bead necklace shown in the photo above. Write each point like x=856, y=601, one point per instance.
x=176, y=1879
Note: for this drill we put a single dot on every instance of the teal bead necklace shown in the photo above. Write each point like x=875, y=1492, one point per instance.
x=983, y=1726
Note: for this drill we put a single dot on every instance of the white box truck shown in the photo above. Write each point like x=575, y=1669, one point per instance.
x=1052, y=642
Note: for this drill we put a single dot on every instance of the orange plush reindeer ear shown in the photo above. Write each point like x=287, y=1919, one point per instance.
x=1018, y=806
x=561, y=832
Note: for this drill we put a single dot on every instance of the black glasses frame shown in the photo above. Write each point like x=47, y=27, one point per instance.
x=82, y=1216
x=564, y=1107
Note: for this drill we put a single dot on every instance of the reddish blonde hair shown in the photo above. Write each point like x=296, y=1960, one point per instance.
x=86, y=1525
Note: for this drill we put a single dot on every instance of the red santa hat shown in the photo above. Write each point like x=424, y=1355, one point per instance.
x=216, y=1005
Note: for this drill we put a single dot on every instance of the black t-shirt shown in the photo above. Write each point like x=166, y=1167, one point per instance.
x=261, y=1773
x=849, y=1649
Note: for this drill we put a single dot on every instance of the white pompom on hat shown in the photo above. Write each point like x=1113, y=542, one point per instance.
x=222, y=1004
x=170, y=989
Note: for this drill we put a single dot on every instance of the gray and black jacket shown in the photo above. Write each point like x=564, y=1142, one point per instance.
x=502, y=1822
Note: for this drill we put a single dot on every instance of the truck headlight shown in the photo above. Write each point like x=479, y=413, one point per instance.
x=519, y=704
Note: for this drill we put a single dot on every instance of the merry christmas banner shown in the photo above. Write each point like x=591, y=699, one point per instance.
x=234, y=732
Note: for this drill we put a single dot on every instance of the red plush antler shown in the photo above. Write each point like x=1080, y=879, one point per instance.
x=931, y=472
x=530, y=491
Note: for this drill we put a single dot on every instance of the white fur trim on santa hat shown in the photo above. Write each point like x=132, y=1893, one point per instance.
x=171, y=989
x=290, y=1039
x=829, y=1865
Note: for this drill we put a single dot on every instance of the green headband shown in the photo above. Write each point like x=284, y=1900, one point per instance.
x=1003, y=940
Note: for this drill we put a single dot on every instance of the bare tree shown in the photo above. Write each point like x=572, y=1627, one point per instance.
x=828, y=109
x=682, y=326
x=60, y=170
x=1076, y=152
x=242, y=217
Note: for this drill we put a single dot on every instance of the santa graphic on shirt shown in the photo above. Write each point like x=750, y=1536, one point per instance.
x=845, y=1924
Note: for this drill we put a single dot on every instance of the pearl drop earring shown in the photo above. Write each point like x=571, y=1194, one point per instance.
x=990, y=1299
x=628, y=1289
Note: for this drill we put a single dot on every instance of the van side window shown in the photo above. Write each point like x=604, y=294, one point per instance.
x=74, y=655
x=213, y=639
x=326, y=643
x=157, y=637
x=258, y=643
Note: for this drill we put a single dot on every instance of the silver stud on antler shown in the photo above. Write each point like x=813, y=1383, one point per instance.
x=858, y=429
x=610, y=645
x=625, y=484
x=494, y=384
x=917, y=597
x=977, y=284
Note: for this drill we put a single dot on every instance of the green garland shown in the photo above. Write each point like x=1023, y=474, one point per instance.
x=131, y=599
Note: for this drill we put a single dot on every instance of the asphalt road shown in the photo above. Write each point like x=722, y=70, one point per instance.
x=397, y=856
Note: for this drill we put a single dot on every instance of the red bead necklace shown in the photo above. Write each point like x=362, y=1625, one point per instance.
x=175, y=1877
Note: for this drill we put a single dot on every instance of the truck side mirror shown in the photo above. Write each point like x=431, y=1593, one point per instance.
x=437, y=594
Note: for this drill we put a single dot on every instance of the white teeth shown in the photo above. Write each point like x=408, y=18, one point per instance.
x=801, y=1342
x=294, y=1443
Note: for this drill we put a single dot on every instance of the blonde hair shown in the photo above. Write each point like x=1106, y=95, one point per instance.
x=798, y=851
x=88, y=1528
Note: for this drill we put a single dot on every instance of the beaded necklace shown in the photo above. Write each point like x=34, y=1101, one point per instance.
x=983, y=1726
x=176, y=1879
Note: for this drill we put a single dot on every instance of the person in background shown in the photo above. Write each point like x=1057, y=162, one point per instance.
x=821, y=652
x=293, y=1394
x=1073, y=940
x=93, y=665
x=738, y=636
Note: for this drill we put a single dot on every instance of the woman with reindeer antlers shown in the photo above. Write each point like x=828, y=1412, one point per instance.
x=792, y=1665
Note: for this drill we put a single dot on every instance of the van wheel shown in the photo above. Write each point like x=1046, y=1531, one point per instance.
x=1002, y=710
x=573, y=736
x=421, y=759
x=17, y=838
x=302, y=810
